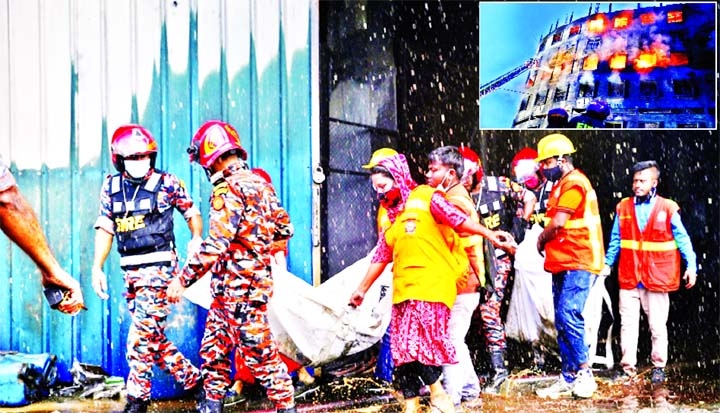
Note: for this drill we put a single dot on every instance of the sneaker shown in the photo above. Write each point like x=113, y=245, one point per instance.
x=560, y=388
x=657, y=375
x=232, y=398
x=584, y=385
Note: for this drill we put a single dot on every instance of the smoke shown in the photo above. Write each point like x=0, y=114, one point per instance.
x=587, y=78
x=614, y=78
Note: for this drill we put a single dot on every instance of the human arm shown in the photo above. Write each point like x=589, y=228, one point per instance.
x=682, y=239
x=380, y=259
x=567, y=203
x=529, y=201
x=552, y=229
x=103, y=243
x=613, y=247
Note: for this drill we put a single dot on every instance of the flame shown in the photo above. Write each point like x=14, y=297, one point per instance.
x=591, y=62
x=618, y=61
x=645, y=60
x=678, y=59
x=647, y=18
x=623, y=20
x=675, y=16
x=597, y=24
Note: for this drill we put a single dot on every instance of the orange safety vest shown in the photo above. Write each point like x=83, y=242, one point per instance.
x=474, y=277
x=579, y=244
x=428, y=257
x=651, y=255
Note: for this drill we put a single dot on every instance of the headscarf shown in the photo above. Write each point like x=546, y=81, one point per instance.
x=398, y=168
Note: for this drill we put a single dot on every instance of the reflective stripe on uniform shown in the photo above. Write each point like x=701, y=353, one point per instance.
x=648, y=245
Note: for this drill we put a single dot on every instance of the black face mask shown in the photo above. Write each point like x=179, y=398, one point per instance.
x=553, y=174
x=391, y=198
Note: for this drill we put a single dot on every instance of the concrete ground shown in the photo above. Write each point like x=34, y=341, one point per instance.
x=688, y=389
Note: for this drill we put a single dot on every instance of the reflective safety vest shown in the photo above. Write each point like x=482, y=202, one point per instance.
x=579, y=244
x=383, y=220
x=428, y=257
x=472, y=244
x=650, y=256
x=144, y=234
x=491, y=204
x=542, y=194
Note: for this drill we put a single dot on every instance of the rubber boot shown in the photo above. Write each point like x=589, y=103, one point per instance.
x=497, y=359
x=134, y=405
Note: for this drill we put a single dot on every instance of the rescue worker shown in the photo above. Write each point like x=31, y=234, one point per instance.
x=535, y=193
x=444, y=171
x=246, y=223
x=594, y=117
x=427, y=260
x=136, y=208
x=384, y=366
x=557, y=118
x=19, y=222
x=496, y=203
x=650, y=238
x=573, y=245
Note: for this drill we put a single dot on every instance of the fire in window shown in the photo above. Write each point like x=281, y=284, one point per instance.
x=597, y=24
x=618, y=61
x=622, y=21
x=591, y=62
x=683, y=88
x=675, y=16
x=648, y=88
x=574, y=30
x=645, y=61
x=647, y=18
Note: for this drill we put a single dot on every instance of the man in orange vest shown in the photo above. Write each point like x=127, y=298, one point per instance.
x=573, y=245
x=650, y=238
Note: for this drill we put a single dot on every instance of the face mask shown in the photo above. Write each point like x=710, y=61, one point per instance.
x=442, y=187
x=553, y=174
x=532, y=182
x=391, y=198
x=137, y=169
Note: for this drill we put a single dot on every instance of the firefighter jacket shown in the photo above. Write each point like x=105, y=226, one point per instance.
x=246, y=219
x=144, y=233
x=579, y=244
x=427, y=256
x=650, y=256
x=542, y=194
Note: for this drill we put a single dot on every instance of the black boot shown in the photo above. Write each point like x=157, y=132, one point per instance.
x=501, y=373
x=288, y=410
x=210, y=406
x=538, y=358
x=135, y=405
x=197, y=392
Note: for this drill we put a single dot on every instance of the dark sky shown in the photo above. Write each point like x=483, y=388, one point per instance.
x=509, y=35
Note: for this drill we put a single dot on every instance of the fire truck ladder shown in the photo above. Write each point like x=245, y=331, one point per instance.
x=496, y=83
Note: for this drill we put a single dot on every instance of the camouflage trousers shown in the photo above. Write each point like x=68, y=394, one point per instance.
x=148, y=345
x=492, y=325
x=245, y=325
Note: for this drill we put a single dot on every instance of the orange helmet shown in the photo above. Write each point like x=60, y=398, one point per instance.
x=213, y=139
x=471, y=162
x=131, y=140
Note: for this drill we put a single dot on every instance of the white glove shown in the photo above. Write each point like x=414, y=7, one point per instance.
x=194, y=246
x=605, y=271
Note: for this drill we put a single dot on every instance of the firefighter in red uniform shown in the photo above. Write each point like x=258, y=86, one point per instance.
x=246, y=221
x=136, y=207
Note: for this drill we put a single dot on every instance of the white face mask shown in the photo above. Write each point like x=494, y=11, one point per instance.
x=137, y=169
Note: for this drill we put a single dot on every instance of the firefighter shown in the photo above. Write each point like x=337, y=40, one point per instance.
x=136, y=208
x=246, y=222
x=557, y=118
x=496, y=202
x=594, y=117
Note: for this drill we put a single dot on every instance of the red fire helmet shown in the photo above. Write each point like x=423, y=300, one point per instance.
x=132, y=139
x=472, y=163
x=262, y=173
x=523, y=164
x=213, y=139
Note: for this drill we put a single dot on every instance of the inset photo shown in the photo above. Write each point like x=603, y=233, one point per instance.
x=597, y=65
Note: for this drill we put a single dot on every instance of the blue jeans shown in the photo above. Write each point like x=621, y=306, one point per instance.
x=570, y=291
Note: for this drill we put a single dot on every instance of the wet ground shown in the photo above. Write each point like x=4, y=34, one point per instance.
x=688, y=389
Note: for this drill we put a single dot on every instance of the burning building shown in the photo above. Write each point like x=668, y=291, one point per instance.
x=654, y=66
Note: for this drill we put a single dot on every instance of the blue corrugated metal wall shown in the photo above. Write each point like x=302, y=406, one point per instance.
x=78, y=69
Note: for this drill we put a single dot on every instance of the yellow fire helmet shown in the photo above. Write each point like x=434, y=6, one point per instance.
x=554, y=145
x=378, y=156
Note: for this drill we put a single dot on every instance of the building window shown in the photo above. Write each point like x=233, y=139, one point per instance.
x=561, y=94
x=683, y=88
x=574, y=30
x=542, y=45
x=597, y=24
x=651, y=125
x=623, y=20
x=647, y=18
x=593, y=44
x=523, y=104
x=617, y=89
x=557, y=37
x=618, y=61
x=648, y=88
x=675, y=16
x=591, y=62
x=541, y=98
x=587, y=90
